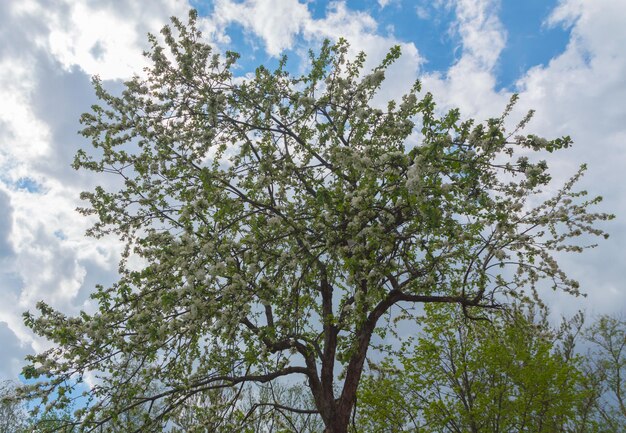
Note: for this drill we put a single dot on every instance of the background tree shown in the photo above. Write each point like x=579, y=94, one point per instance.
x=54, y=421
x=13, y=415
x=282, y=219
x=271, y=408
x=607, y=367
x=265, y=410
x=513, y=373
x=218, y=410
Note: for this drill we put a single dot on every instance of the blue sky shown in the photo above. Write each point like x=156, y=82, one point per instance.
x=566, y=58
x=432, y=27
x=530, y=40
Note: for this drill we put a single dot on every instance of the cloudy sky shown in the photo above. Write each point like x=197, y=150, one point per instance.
x=566, y=58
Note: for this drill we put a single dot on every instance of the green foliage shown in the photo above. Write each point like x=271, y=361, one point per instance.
x=278, y=218
x=513, y=373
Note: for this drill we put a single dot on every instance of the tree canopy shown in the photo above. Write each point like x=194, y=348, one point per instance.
x=12, y=414
x=281, y=221
x=513, y=373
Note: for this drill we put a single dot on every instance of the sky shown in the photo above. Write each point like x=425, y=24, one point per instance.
x=566, y=59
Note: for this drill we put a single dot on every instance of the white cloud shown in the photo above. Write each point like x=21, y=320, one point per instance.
x=24, y=135
x=566, y=13
x=481, y=31
x=104, y=38
x=86, y=39
x=469, y=83
x=275, y=22
x=422, y=12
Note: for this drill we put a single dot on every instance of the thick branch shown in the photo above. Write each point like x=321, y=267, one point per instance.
x=330, y=332
x=286, y=344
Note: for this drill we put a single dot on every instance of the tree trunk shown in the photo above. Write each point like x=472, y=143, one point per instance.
x=339, y=424
x=339, y=419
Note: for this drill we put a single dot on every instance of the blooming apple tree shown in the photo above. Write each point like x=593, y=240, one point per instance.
x=281, y=220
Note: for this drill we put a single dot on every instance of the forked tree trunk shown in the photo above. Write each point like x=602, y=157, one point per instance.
x=342, y=409
x=339, y=419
